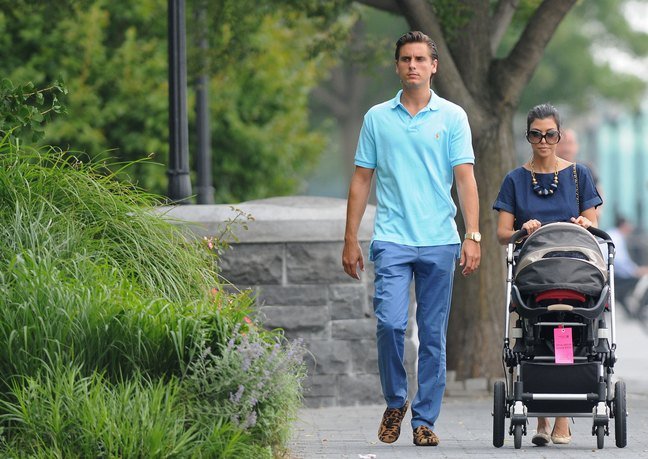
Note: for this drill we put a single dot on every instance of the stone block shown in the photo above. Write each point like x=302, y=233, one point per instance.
x=305, y=334
x=364, y=354
x=320, y=386
x=476, y=384
x=328, y=357
x=347, y=301
x=359, y=389
x=315, y=263
x=455, y=388
x=292, y=295
x=292, y=318
x=411, y=354
x=253, y=264
x=353, y=329
x=319, y=402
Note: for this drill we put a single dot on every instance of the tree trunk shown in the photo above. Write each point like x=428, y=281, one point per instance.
x=475, y=331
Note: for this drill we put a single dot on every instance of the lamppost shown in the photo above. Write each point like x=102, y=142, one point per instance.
x=179, y=189
x=205, y=190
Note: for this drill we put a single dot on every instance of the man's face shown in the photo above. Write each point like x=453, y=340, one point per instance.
x=415, y=66
x=568, y=146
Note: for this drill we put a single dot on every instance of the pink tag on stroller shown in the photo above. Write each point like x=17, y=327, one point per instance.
x=563, y=345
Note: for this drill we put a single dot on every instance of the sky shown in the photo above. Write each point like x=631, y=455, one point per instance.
x=637, y=14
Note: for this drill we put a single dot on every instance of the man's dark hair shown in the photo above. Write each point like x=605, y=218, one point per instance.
x=619, y=220
x=417, y=37
x=541, y=112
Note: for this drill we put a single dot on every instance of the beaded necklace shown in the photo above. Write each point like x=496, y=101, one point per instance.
x=540, y=190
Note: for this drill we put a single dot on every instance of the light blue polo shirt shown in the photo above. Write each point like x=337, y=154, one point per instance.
x=414, y=157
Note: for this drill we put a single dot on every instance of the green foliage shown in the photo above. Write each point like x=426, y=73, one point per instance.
x=575, y=70
x=24, y=109
x=61, y=413
x=263, y=59
x=107, y=310
x=255, y=116
x=249, y=382
x=226, y=232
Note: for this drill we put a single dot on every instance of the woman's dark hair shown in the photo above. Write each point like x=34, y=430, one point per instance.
x=416, y=37
x=541, y=112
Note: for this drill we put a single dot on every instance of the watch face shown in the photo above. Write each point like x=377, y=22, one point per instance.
x=474, y=236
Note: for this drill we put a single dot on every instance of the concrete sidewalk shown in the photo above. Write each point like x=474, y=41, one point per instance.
x=465, y=423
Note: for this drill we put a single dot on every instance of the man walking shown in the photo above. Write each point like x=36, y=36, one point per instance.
x=417, y=143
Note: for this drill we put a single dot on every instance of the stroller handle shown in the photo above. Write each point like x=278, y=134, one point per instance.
x=594, y=231
x=517, y=235
x=599, y=233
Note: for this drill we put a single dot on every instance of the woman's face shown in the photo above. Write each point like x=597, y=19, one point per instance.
x=543, y=149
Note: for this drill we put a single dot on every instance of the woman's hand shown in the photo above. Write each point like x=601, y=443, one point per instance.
x=531, y=226
x=582, y=221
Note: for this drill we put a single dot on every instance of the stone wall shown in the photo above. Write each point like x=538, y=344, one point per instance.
x=291, y=258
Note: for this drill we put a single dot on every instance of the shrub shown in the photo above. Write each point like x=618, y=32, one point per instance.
x=108, y=308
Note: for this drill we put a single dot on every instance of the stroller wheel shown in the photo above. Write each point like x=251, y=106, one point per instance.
x=620, y=415
x=600, y=436
x=517, y=437
x=499, y=413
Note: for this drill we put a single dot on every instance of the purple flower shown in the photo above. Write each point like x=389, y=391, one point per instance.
x=235, y=398
x=251, y=420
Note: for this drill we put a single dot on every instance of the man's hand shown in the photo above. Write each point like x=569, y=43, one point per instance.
x=352, y=258
x=470, y=256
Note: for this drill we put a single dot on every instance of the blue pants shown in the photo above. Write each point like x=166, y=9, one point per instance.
x=432, y=269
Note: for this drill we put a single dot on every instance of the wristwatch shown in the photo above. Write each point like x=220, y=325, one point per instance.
x=473, y=237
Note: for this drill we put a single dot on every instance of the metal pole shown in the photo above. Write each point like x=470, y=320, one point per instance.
x=203, y=158
x=179, y=181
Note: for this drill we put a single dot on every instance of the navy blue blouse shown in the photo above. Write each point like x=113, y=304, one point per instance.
x=517, y=197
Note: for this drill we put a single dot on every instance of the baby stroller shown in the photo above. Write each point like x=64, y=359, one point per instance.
x=559, y=284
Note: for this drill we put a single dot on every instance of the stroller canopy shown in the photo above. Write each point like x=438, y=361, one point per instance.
x=561, y=256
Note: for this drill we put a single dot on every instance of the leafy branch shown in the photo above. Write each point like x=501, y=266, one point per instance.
x=24, y=109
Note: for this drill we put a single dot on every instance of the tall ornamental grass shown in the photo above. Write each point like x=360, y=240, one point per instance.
x=116, y=336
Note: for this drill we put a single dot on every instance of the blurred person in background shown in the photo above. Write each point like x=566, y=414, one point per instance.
x=630, y=279
x=568, y=147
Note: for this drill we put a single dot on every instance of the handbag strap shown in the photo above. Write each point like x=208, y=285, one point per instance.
x=577, y=193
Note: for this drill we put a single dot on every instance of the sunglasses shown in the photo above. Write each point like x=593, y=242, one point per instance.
x=552, y=137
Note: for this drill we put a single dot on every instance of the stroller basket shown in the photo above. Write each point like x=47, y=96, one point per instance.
x=579, y=378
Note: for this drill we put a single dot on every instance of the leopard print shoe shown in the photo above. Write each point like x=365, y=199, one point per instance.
x=390, y=426
x=423, y=436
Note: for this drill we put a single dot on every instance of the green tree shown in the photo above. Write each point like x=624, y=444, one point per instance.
x=575, y=70
x=264, y=57
x=24, y=109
